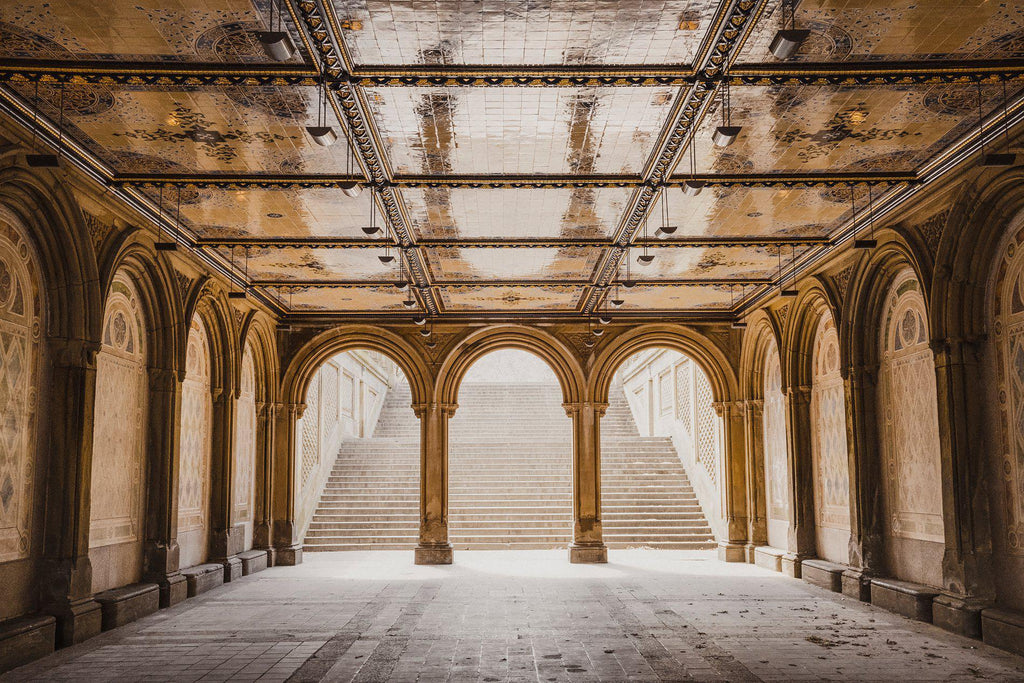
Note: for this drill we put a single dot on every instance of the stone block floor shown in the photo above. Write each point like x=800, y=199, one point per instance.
x=523, y=616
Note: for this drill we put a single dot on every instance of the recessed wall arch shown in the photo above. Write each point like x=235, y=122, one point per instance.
x=258, y=331
x=707, y=355
x=209, y=303
x=481, y=342
x=814, y=301
x=763, y=328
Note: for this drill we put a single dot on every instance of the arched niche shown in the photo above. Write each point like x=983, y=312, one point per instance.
x=195, y=448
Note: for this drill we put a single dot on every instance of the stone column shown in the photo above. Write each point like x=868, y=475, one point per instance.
x=866, y=513
x=287, y=544
x=433, y=546
x=753, y=431
x=966, y=565
x=802, y=544
x=66, y=574
x=225, y=540
x=733, y=482
x=587, y=541
x=160, y=551
x=266, y=421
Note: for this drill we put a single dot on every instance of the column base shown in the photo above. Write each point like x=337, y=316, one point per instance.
x=78, y=621
x=434, y=554
x=588, y=554
x=857, y=584
x=731, y=552
x=959, y=615
x=288, y=557
x=791, y=565
x=173, y=589
x=232, y=568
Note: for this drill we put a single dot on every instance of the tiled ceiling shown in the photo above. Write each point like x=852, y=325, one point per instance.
x=521, y=152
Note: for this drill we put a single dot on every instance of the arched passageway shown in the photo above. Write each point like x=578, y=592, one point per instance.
x=510, y=456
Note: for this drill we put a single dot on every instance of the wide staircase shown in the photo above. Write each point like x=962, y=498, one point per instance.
x=510, y=486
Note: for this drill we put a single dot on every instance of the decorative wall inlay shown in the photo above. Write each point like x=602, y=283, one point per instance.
x=908, y=416
x=184, y=284
x=931, y=230
x=707, y=427
x=310, y=443
x=98, y=229
x=842, y=280
x=828, y=418
x=244, y=453
x=196, y=431
x=1008, y=345
x=20, y=325
x=776, y=460
x=120, y=421
x=684, y=394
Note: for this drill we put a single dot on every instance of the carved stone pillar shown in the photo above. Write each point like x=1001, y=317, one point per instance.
x=160, y=551
x=753, y=430
x=433, y=546
x=966, y=564
x=66, y=573
x=733, y=482
x=587, y=541
x=225, y=540
x=866, y=511
x=266, y=422
x=802, y=543
x=287, y=544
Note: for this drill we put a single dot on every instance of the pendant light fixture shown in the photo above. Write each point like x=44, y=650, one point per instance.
x=409, y=301
x=645, y=259
x=402, y=283
x=726, y=133
x=664, y=230
x=616, y=300
x=996, y=159
x=46, y=160
x=425, y=330
x=791, y=291
x=321, y=133
x=628, y=283
x=350, y=187
x=788, y=40
x=372, y=228
x=161, y=243
x=692, y=186
x=239, y=294
x=419, y=320
x=739, y=323
x=596, y=331
x=869, y=242
x=278, y=45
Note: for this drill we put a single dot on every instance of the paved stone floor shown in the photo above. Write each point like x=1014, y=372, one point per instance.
x=525, y=615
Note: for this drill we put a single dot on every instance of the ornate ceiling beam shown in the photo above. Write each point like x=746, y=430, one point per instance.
x=564, y=76
x=521, y=243
x=784, y=180
x=468, y=284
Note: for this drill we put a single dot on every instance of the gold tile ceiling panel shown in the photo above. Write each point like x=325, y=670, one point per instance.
x=360, y=299
x=863, y=30
x=302, y=264
x=510, y=299
x=467, y=130
x=203, y=129
x=812, y=129
x=523, y=32
x=679, y=297
x=215, y=213
x=713, y=262
x=521, y=263
x=515, y=213
x=137, y=30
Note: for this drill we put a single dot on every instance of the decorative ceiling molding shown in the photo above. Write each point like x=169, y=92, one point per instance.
x=467, y=284
x=524, y=243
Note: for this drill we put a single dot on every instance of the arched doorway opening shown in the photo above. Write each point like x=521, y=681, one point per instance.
x=510, y=456
x=358, y=456
x=662, y=447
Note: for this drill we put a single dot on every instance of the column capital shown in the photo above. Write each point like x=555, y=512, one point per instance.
x=572, y=408
x=74, y=353
x=422, y=409
x=164, y=379
x=800, y=393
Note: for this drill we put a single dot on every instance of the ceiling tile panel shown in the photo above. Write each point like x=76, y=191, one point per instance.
x=523, y=32
x=209, y=129
x=677, y=298
x=713, y=262
x=519, y=263
x=358, y=299
x=494, y=130
x=829, y=128
x=303, y=263
x=515, y=213
x=863, y=30
x=510, y=298
x=120, y=30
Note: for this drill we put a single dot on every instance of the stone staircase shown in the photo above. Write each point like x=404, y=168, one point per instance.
x=510, y=486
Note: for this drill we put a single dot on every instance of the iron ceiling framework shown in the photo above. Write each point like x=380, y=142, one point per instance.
x=331, y=64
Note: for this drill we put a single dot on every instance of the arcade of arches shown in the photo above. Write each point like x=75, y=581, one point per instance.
x=200, y=304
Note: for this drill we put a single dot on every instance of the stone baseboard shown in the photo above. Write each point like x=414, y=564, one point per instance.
x=912, y=600
x=434, y=554
x=173, y=589
x=584, y=554
x=289, y=557
x=232, y=569
x=253, y=561
x=1003, y=629
x=731, y=552
x=768, y=557
x=823, y=573
x=78, y=622
x=856, y=585
x=203, y=577
x=791, y=565
x=124, y=605
x=955, y=614
x=25, y=639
